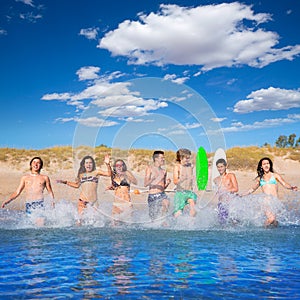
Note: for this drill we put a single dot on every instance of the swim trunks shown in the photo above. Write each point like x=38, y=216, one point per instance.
x=181, y=199
x=31, y=206
x=155, y=204
x=223, y=212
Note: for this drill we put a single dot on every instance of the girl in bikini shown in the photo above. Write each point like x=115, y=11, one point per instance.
x=87, y=180
x=267, y=179
x=121, y=179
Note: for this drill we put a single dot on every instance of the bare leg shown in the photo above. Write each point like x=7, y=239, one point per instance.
x=271, y=219
x=192, y=207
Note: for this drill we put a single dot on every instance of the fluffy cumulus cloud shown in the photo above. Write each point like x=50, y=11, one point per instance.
x=269, y=99
x=88, y=73
x=112, y=99
x=210, y=36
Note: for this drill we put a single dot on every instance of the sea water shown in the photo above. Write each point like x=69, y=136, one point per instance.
x=186, y=258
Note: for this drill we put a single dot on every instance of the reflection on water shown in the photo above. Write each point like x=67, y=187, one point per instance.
x=121, y=267
x=90, y=263
x=185, y=258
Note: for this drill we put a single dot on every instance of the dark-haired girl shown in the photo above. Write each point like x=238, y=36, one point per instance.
x=87, y=180
x=268, y=180
x=121, y=179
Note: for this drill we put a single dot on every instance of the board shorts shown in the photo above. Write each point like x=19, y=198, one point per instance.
x=33, y=205
x=181, y=199
x=155, y=204
x=223, y=212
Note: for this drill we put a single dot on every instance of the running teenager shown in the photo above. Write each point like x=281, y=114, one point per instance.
x=268, y=180
x=156, y=180
x=121, y=179
x=226, y=186
x=183, y=177
x=87, y=180
x=34, y=185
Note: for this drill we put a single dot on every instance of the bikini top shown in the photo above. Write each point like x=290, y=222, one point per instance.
x=272, y=180
x=89, y=179
x=123, y=182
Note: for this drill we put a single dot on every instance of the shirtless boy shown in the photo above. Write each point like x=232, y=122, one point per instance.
x=227, y=184
x=183, y=177
x=34, y=184
x=156, y=180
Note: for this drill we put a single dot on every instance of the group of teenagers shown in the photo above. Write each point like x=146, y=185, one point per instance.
x=155, y=180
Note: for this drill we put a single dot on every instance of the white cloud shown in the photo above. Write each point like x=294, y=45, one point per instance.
x=179, y=129
x=110, y=99
x=175, y=79
x=89, y=33
x=269, y=99
x=31, y=17
x=96, y=122
x=88, y=73
x=267, y=123
x=218, y=120
x=3, y=32
x=210, y=36
x=57, y=96
x=89, y=122
x=27, y=2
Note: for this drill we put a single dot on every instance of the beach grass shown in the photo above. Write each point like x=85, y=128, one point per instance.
x=63, y=157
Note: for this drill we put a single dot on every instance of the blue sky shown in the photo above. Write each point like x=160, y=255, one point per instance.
x=149, y=74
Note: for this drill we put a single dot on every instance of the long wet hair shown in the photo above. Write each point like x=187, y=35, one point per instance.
x=82, y=167
x=260, y=171
x=41, y=161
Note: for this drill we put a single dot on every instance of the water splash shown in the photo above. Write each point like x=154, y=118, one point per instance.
x=243, y=212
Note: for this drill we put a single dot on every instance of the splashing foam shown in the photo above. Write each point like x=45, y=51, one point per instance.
x=243, y=212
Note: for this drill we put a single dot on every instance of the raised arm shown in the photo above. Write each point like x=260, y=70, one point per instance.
x=109, y=171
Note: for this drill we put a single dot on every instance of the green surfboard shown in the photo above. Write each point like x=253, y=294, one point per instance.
x=201, y=169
